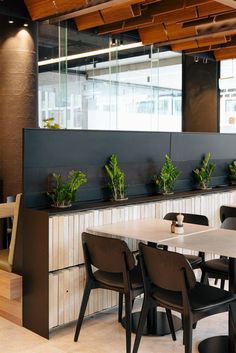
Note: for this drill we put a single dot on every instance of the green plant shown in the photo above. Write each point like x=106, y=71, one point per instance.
x=167, y=177
x=232, y=172
x=48, y=124
x=117, y=178
x=64, y=190
x=203, y=174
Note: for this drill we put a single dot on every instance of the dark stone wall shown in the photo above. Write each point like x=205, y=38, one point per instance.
x=18, y=98
x=200, y=95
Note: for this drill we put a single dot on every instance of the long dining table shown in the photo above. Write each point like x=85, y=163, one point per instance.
x=153, y=231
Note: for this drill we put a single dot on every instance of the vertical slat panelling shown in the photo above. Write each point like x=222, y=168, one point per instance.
x=65, y=248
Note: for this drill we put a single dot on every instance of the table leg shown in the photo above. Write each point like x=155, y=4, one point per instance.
x=224, y=344
x=156, y=325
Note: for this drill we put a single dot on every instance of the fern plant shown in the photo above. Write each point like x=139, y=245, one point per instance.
x=167, y=177
x=64, y=191
x=117, y=178
x=203, y=174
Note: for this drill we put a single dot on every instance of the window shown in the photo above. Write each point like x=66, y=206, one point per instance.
x=227, y=84
x=138, y=88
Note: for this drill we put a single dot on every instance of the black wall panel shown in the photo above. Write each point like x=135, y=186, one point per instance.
x=140, y=156
x=188, y=149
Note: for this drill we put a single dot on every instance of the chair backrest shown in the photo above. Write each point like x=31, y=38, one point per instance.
x=14, y=229
x=164, y=268
x=107, y=254
x=227, y=211
x=189, y=218
x=229, y=223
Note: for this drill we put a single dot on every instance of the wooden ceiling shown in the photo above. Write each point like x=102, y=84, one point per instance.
x=185, y=25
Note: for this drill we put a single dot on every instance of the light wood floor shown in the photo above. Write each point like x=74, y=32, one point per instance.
x=101, y=334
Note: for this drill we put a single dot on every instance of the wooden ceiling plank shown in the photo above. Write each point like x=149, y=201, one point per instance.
x=198, y=50
x=90, y=6
x=90, y=20
x=212, y=41
x=125, y=26
x=212, y=8
x=117, y=13
x=153, y=34
x=230, y=3
x=177, y=16
x=176, y=31
x=165, y=6
x=225, y=53
x=40, y=9
x=189, y=3
x=183, y=46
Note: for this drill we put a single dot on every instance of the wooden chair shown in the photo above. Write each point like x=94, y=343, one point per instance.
x=115, y=270
x=7, y=255
x=218, y=268
x=194, y=260
x=169, y=281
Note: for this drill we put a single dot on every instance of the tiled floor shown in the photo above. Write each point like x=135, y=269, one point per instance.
x=100, y=334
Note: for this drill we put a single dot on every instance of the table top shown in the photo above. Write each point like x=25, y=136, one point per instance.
x=217, y=241
x=150, y=229
x=7, y=209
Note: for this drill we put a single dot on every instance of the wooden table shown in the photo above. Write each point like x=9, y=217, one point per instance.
x=152, y=231
x=221, y=242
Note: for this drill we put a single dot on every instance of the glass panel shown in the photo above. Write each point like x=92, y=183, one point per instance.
x=107, y=83
x=227, y=84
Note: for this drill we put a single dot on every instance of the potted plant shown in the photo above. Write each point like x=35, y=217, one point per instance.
x=167, y=177
x=203, y=174
x=64, y=191
x=48, y=123
x=232, y=172
x=117, y=179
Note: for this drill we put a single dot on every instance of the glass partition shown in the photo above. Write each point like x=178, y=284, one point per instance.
x=91, y=82
x=227, y=84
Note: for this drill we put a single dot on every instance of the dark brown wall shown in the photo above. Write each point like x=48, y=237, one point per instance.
x=200, y=95
x=18, y=98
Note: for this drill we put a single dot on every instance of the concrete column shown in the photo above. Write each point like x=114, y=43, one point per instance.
x=200, y=95
x=18, y=97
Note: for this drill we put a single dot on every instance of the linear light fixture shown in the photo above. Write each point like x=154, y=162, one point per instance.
x=90, y=53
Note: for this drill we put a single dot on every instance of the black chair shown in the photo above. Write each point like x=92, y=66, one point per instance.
x=227, y=211
x=194, y=260
x=115, y=270
x=218, y=268
x=169, y=282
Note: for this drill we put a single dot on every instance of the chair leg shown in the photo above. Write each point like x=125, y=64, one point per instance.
x=128, y=309
x=142, y=320
x=171, y=324
x=204, y=278
x=188, y=334
x=120, y=307
x=86, y=294
x=222, y=284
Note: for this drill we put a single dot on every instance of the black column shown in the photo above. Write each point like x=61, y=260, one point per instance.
x=18, y=97
x=200, y=95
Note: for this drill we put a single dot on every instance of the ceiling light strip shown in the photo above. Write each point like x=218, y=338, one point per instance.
x=90, y=53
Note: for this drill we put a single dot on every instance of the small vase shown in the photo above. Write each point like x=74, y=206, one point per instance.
x=120, y=199
x=62, y=204
x=167, y=192
x=204, y=186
